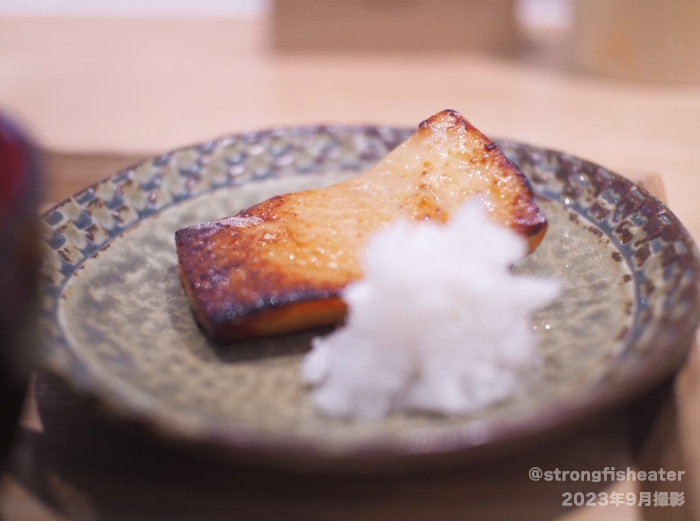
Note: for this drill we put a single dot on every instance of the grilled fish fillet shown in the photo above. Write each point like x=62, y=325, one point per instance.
x=280, y=265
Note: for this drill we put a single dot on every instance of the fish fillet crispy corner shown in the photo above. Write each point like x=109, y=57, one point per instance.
x=280, y=265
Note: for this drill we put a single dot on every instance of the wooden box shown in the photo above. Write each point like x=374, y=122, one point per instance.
x=394, y=25
x=654, y=40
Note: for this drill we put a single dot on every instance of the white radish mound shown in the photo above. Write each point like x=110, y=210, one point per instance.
x=439, y=323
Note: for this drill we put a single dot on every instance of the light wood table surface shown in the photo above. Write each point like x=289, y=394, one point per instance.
x=99, y=94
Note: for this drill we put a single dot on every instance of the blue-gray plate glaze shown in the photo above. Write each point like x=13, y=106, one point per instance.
x=118, y=326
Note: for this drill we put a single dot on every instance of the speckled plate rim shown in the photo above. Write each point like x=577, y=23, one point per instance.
x=586, y=187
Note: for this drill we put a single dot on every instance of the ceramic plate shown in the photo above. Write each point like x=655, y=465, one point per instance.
x=118, y=326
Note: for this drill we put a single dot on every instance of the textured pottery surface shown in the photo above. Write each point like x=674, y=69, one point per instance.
x=119, y=327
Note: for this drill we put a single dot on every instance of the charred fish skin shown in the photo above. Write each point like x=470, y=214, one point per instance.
x=281, y=265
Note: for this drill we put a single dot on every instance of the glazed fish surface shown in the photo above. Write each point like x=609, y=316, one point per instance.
x=281, y=265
